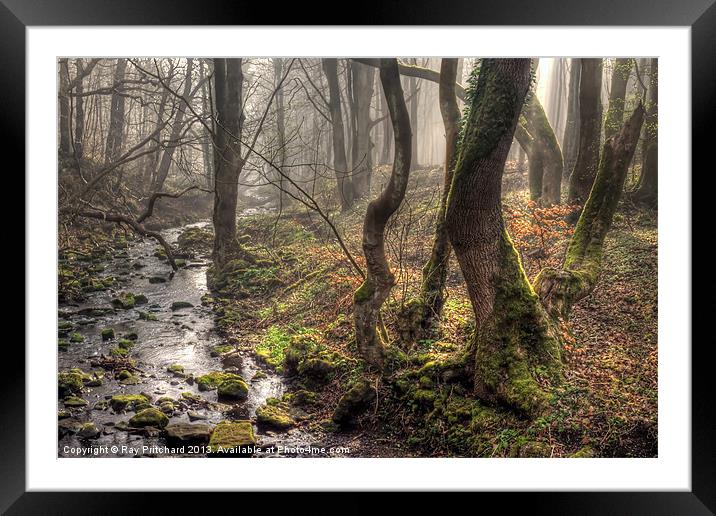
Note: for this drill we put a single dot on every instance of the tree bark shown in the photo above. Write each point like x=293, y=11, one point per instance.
x=64, y=105
x=79, y=111
x=116, y=115
x=590, y=126
x=362, y=77
x=228, y=79
x=412, y=88
x=432, y=295
x=340, y=162
x=570, y=141
x=617, y=93
x=559, y=290
x=647, y=191
x=544, y=154
x=371, y=295
x=514, y=344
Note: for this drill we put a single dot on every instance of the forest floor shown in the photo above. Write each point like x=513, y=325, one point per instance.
x=285, y=305
x=291, y=305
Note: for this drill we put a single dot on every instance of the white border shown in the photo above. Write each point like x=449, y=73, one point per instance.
x=670, y=471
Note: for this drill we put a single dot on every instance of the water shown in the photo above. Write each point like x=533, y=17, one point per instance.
x=186, y=336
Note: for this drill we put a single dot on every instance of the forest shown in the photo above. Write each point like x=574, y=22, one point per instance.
x=357, y=257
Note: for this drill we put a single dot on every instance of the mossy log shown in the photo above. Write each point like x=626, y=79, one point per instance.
x=559, y=290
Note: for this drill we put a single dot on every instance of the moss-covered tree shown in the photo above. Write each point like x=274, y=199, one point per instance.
x=536, y=137
x=432, y=292
x=590, y=128
x=514, y=345
x=228, y=83
x=560, y=289
x=371, y=295
x=617, y=94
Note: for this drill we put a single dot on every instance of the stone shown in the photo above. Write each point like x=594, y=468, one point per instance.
x=232, y=438
x=273, y=416
x=178, y=305
x=188, y=432
x=233, y=388
x=196, y=416
x=75, y=401
x=149, y=417
x=354, y=402
x=89, y=431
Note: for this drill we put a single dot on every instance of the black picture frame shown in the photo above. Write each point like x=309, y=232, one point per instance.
x=700, y=15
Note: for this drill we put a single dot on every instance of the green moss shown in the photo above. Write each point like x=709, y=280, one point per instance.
x=274, y=416
x=176, y=369
x=125, y=301
x=316, y=370
x=119, y=352
x=122, y=402
x=131, y=336
x=147, y=316
x=76, y=337
x=354, y=402
x=74, y=401
x=364, y=292
x=63, y=344
x=69, y=382
x=232, y=438
x=586, y=452
x=234, y=388
x=213, y=379
x=127, y=378
x=107, y=334
x=149, y=417
x=125, y=343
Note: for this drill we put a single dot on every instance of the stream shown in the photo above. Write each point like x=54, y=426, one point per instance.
x=182, y=336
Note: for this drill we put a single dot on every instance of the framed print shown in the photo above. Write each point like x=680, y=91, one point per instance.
x=444, y=248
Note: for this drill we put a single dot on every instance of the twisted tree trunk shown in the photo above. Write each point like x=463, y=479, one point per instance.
x=432, y=294
x=514, y=345
x=371, y=295
x=559, y=290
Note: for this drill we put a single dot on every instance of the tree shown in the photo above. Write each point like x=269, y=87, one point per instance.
x=376, y=287
x=590, y=127
x=340, y=162
x=64, y=104
x=647, y=191
x=561, y=289
x=617, y=93
x=570, y=140
x=432, y=293
x=362, y=77
x=537, y=139
x=116, y=114
x=514, y=342
x=228, y=83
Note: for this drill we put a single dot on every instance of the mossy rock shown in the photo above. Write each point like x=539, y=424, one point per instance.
x=190, y=397
x=149, y=417
x=63, y=344
x=127, y=378
x=188, y=433
x=69, y=382
x=75, y=401
x=274, y=416
x=301, y=398
x=101, y=405
x=157, y=279
x=125, y=301
x=316, y=370
x=234, y=388
x=89, y=431
x=119, y=352
x=131, y=335
x=147, y=316
x=108, y=334
x=212, y=380
x=125, y=343
x=178, y=305
x=587, y=452
x=232, y=438
x=354, y=402
x=180, y=262
x=140, y=299
x=259, y=375
x=77, y=337
x=64, y=325
x=176, y=369
x=122, y=402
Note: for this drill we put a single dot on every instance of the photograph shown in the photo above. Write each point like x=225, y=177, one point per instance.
x=356, y=257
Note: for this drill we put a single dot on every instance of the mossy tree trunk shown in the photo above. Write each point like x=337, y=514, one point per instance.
x=371, y=295
x=514, y=343
x=590, y=128
x=432, y=294
x=228, y=82
x=647, y=191
x=340, y=161
x=543, y=152
x=559, y=290
x=617, y=93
